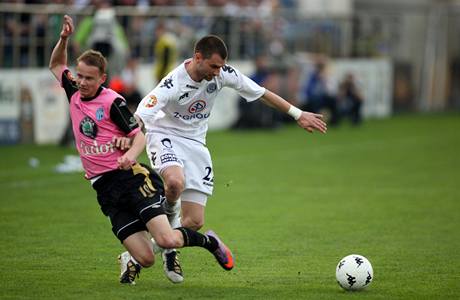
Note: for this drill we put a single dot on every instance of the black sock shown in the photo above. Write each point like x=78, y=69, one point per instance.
x=194, y=238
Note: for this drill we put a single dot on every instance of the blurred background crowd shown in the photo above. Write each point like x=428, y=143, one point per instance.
x=290, y=44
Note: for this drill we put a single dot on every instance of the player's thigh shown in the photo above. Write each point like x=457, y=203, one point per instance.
x=198, y=169
x=163, y=151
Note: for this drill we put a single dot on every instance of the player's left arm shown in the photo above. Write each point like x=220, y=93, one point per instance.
x=307, y=120
x=123, y=142
x=134, y=140
x=129, y=158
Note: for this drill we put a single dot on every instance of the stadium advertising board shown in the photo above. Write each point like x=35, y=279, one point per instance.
x=34, y=108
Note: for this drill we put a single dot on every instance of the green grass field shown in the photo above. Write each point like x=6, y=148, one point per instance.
x=289, y=204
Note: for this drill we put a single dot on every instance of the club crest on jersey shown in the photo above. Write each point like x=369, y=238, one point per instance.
x=88, y=127
x=211, y=88
x=197, y=106
x=100, y=113
x=151, y=102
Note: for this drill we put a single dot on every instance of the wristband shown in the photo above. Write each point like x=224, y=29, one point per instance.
x=294, y=112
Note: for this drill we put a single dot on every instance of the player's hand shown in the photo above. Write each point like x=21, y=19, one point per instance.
x=121, y=142
x=125, y=162
x=67, y=27
x=312, y=122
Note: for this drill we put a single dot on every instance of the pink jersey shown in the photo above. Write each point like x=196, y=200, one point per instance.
x=94, y=127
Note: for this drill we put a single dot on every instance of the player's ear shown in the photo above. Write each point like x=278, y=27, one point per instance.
x=103, y=78
x=198, y=56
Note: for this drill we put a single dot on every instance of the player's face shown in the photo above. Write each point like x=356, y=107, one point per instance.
x=208, y=68
x=89, y=79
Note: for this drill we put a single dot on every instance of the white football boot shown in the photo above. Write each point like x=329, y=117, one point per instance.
x=171, y=265
x=128, y=268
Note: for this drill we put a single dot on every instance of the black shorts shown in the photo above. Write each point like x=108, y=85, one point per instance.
x=130, y=198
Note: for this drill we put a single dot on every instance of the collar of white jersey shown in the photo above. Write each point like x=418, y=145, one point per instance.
x=187, y=61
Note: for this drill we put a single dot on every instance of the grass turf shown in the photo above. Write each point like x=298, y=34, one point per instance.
x=289, y=204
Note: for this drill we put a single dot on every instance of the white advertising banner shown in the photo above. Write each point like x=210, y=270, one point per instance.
x=374, y=78
x=9, y=93
x=38, y=104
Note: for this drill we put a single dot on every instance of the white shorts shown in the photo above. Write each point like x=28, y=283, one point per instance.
x=194, y=158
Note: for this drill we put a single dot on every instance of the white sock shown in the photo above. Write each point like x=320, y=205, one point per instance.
x=173, y=213
x=156, y=249
x=169, y=250
x=135, y=261
x=132, y=258
x=172, y=208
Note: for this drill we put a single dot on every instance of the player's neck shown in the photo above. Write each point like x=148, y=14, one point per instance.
x=192, y=72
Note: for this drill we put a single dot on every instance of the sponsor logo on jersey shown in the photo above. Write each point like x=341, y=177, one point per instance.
x=168, y=157
x=198, y=116
x=183, y=96
x=167, y=83
x=96, y=149
x=166, y=143
x=211, y=88
x=88, y=127
x=100, y=113
x=191, y=86
x=197, y=106
x=152, y=101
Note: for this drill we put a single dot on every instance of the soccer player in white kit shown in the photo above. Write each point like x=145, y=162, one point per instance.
x=175, y=116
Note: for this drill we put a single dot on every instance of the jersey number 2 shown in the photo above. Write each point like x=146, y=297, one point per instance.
x=208, y=174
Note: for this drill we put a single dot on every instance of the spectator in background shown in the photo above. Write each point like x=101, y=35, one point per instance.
x=165, y=51
x=193, y=24
x=350, y=99
x=256, y=114
x=103, y=33
x=318, y=92
x=17, y=29
x=126, y=84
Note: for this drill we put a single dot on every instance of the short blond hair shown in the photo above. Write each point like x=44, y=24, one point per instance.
x=93, y=58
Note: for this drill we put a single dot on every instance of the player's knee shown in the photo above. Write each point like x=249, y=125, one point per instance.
x=146, y=258
x=174, y=187
x=192, y=223
x=168, y=241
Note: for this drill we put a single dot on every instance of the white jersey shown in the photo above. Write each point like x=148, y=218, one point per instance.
x=180, y=106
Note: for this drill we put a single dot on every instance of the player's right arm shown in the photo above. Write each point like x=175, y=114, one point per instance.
x=154, y=101
x=58, y=60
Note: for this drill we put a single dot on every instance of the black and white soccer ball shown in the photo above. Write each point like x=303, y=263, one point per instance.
x=354, y=272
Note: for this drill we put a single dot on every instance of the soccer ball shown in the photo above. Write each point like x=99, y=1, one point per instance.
x=354, y=272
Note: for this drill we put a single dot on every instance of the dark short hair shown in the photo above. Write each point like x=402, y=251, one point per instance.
x=93, y=58
x=211, y=44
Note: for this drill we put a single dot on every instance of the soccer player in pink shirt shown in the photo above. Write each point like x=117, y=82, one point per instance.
x=129, y=193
